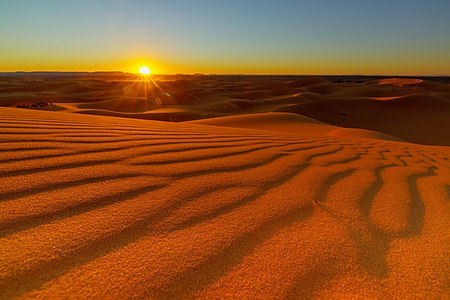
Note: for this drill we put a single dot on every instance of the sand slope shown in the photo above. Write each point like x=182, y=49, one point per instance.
x=292, y=123
x=95, y=207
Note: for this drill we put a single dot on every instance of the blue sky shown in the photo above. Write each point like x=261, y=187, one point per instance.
x=289, y=37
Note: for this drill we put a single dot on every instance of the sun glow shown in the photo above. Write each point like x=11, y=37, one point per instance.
x=144, y=70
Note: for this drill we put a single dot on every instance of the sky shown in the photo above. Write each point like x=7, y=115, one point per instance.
x=383, y=37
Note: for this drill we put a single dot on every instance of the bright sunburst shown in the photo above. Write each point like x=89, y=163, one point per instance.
x=144, y=70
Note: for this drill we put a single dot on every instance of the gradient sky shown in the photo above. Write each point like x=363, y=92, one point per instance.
x=392, y=37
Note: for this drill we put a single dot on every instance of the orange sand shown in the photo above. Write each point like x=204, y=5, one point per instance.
x=267, y=205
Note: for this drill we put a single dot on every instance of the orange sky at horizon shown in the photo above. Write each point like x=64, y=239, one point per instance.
x=299, y=68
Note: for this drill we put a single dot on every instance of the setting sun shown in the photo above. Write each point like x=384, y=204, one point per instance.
x=144, y=70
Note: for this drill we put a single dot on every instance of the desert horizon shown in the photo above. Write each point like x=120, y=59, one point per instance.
x=440, y=77
x=228, y=150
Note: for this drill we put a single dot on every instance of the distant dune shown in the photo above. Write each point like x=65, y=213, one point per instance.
x=408, y=109
x=265, y=188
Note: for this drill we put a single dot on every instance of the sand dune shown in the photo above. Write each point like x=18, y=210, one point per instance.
x=95, y=207
x=292, y=123
x=400, y=81
x=268, y=187
x=410, y=109
x=416, y=118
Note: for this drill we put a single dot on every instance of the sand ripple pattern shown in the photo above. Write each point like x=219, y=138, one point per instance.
x=104, y=208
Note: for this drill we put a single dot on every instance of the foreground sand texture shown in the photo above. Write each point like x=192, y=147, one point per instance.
x=111, y=208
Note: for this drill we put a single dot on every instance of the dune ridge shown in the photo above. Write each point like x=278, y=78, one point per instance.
x=291, y=123
x=103, y=207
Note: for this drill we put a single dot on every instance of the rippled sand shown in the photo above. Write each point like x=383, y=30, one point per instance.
x=110, y=208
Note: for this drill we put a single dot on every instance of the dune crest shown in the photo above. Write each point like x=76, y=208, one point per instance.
x=292, y=123
x=97, y=207
x=400, y=81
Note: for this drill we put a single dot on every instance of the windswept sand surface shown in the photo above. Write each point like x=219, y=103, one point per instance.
x=94, y=207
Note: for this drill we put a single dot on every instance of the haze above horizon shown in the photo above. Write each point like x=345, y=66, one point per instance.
x=248, y=37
